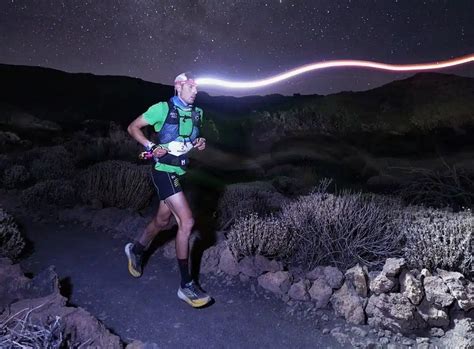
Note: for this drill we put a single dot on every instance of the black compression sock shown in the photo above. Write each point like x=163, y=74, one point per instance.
x=138, y=248
x=184, y=270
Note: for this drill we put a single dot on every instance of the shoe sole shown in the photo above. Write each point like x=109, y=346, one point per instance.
x=195, y=304
x=131, y=269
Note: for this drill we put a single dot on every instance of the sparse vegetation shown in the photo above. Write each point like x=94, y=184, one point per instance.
x=267, y=236
x=12, y=242
x=50, y=192
x=15, y=177
x=242, y=199
x=438, y=239
x=116, y=184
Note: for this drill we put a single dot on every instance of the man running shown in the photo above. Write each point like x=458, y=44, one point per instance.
x=177, y=124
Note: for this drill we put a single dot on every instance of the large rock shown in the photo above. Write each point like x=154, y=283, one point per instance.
x=393, y=312
x=411, y=287
x=357, y=277
x=348, y=304
x=334, y=277
x=320, y=292
x=278, y=282
x=210, y=259
x=247, y=267
x=393, y=266
x=461, y=289
x=437, y=292
x=461, y=336
x=264, y=264
x=12, y=282
x=299, y=290
x=435, y=316
x=228, y=263
x=382, y=284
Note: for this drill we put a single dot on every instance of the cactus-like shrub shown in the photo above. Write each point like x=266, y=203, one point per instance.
x=438, y=239
x=267, y=236
x=116, y=184
x=11, y=240
x=15, y=177
x=51, y=192
x=242, y=199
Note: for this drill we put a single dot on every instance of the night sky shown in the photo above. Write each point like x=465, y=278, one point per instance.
x=240, y=40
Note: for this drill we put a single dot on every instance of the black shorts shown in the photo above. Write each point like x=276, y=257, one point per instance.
x=166, y=183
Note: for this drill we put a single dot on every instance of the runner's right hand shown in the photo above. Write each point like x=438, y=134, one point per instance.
x=159, y=152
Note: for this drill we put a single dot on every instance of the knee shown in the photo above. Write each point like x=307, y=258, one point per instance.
x=187, y=225
x=161, y=222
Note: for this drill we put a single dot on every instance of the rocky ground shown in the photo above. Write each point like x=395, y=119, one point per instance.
x=91, y=267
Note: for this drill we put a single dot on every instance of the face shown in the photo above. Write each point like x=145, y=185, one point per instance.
x=187, y=92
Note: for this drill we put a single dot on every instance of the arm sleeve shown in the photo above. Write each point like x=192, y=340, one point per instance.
x=156, y=115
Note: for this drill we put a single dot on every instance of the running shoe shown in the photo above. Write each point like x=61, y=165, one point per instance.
x=192, y=294
x=134, y=261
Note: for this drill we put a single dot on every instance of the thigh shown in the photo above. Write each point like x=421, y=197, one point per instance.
x=179, y=206
x=163, y=212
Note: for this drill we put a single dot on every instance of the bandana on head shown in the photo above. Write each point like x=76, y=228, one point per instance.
x=183, y=79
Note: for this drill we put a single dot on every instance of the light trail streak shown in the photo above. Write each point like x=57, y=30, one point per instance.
x=205, y=81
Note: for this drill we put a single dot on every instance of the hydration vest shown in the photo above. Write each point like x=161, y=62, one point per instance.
x=178, y=129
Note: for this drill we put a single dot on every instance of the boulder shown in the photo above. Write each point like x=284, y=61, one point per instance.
x=228, y=263
x=434, y=315
x=210, y=259
x=393, y=266
x=278, y=282
x=411, y=287
x=357, y=277
x=461, y=335
x=320, y=292
x=316, y=273
x=247, y=267
x=393, y=312
x=382, y=284
x=461, y=289
x=437, y=292
x=348, y=304
x=264, y=264
x=333, y=276
x=299, y=291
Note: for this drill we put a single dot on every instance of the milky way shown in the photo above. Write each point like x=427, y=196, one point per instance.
x=241, y=40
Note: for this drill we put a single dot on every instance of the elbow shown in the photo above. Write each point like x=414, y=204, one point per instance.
x=130, y=129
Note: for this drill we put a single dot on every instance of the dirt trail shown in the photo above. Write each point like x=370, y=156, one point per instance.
x=92, y=267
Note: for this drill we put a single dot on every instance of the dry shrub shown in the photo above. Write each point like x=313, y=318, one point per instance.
x=447, y=187
x=116, y=184
x=16, y=176
x=267, y=236
x=438, y=239
x=344, y=229
x=20, y=331
x=46, y=163
x=11, y=240
x=51, y=192
x=241, y=199
x=118, y=145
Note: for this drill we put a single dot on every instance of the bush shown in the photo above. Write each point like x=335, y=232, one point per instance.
x=343, y=230
x=242, y=199
x=20, y=331
x=268, y=236
x=16, y=176
x=11, y=240
x=440, y=188
x=51, y=192
x=438, y=239
x=116, y=184
x=48, y=163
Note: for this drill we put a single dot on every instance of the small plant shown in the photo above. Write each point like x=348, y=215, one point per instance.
x=12, y=242
x=16, y=176
x=116, y=184
x=241, y=199
x=51, y=192
x=21, y=331
x=48, y=163
x=438, y=239
x=267, y=236
x=344, y=229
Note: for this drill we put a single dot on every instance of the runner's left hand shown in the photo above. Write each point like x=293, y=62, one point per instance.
x=200, y=143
